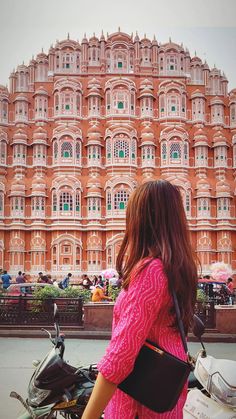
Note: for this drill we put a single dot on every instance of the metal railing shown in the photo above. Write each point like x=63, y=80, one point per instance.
x=32, y=311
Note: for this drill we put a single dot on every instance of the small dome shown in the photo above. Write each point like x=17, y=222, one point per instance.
x=197, y=93
x=195, y=60
x=38, y=186
x=40, y=135
x=203, y=188
x=147, y=135
x=41, y=57
x=94, y=190
x=94, y=83
x=20, y=137
x=146, y=84
x=219, y=139
x=94, y=135
x=22, y=67
x=41, y=91
x=18, y=187
x=222, y=188
x=21, y=98
x=93, y=39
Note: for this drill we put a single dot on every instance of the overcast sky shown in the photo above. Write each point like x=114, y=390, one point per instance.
x=205, y=26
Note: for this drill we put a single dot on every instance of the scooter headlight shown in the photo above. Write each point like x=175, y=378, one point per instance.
x=36, y=395
x=221, y=390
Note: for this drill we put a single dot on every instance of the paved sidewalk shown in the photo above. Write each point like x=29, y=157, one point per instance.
x=79, y=333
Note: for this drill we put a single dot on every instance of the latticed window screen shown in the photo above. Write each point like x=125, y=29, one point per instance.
x=109, y=149
x=77, y=150
x=38, y=203
x=54, y=201
x=133, y=148
x=185, y=151
x=109, y=201
x=121, y=149
x=94, y=204
x=55, y=150
x=66, y=150
x=203, y=205
x=120, y=199
x=77, y=202
x=187, y=201
x=175, y=151
x=3, y=152
x=66, y=201
x=164, y=151
x=223, y=204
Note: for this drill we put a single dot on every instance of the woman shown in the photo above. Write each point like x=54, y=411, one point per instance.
x=155, y=251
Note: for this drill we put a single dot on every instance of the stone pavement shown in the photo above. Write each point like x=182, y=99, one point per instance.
x=17, y=355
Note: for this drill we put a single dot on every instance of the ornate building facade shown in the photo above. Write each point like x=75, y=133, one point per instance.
x=82, y=126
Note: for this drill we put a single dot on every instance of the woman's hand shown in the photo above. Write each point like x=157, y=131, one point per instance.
x=101, y=395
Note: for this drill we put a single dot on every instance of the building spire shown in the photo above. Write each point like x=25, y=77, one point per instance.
x=68, y=35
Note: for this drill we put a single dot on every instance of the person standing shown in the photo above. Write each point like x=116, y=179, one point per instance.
x=6, y=278
x=65, y=282
x=155, y=252
x=20, y=278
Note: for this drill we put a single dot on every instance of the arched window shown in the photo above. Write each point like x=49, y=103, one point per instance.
x=38, y=206
x=108, y=150
x=94, y=207
x=78, y=151
x=54, y=201
x=3, y=152
x=55, y=150
x=175, y=152
x=223, y=207
x=3, y=111
x=66, y=201
x=163, y=153
x=233, y=115
x=220, y=156
x=77, y=203
x=109, y=207
x=120, y=199
x=201, y=155
x=17, y=206
x=121, y=149
x=203, y=207
x=66, y=150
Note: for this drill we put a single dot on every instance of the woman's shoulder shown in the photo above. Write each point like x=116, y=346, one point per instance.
x=150, y=269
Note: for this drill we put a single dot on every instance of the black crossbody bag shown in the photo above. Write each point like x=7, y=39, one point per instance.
x=158, y=377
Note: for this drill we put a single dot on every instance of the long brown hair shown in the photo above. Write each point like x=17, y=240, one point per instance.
x=156, y=226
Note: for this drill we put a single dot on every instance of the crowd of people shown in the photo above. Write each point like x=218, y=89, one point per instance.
x=98, y=284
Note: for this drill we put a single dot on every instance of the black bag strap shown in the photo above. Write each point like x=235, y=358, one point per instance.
x=179, y=319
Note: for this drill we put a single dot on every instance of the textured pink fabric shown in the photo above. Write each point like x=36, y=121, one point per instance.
x=142, y=312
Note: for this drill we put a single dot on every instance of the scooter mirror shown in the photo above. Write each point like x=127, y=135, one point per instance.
x=198, y=327
x=55, y=313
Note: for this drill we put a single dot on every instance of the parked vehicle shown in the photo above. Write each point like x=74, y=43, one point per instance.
x=24, y=289
x=217, y=398
x=57, y=387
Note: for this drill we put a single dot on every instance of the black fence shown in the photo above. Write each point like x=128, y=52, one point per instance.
x=33, y=311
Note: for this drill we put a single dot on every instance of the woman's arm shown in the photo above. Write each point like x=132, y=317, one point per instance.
x=101, y=395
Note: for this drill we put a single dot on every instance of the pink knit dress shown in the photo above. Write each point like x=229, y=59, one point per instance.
x=142, y=312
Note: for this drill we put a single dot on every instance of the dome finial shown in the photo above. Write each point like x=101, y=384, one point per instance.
x=68, y=35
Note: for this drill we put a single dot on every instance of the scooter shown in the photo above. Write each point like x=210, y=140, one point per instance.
x=57, y=389
x=217, y=398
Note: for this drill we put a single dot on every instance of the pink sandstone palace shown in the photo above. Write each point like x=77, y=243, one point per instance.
x=82, y=126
